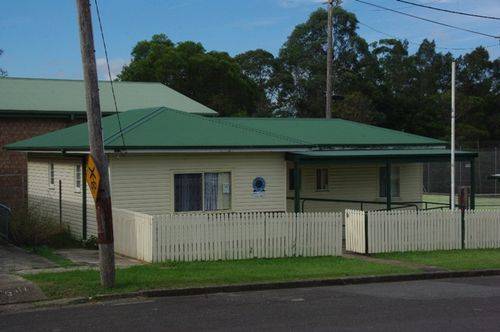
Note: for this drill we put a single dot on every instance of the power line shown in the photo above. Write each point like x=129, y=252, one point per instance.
x=109, y=70
x=417, y=43
x=428, y=20
x=449, y=11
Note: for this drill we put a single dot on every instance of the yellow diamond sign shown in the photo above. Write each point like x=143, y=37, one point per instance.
x=93, y=177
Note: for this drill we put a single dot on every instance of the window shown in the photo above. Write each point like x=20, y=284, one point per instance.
x=51, y=175
x=291, y=179
x=78, y=178
x=202, y=191
x=395, y=180
x=322, y=179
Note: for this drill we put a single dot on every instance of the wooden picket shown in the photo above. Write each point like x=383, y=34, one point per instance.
x=206, y=237
x=355, y=231
x=133, y=234
x=482, y=229
x=403, y=230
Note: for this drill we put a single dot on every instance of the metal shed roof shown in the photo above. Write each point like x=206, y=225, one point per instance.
x=166, y=129
x=32, y=96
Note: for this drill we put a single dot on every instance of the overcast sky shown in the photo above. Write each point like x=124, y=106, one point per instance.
x=40, y=38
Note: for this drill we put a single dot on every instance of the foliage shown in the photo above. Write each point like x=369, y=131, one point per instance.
x=382, y=82
x=198, y=274
x=90, y=242
x=212, y=78
x=31, y=227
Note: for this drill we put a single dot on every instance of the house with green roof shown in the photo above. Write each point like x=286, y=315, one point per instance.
x=32, y=106
x=165, y=161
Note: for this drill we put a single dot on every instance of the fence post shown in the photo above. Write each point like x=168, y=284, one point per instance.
x=463, y=227
x=366, y=233
x=60, y=202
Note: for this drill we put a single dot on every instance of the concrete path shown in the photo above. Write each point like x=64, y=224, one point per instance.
x=91, y=257
x=467, y=304
x=15, y=289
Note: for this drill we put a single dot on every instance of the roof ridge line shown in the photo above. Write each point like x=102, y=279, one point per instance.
x=133, y=125
x=261, y=131
x=220, y=122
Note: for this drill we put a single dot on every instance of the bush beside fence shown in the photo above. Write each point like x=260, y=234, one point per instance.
x=404, y=230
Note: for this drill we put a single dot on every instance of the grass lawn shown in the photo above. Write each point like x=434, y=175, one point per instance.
x=476, y=259
x=481, y=202
x=178, y=275
x=49, y=253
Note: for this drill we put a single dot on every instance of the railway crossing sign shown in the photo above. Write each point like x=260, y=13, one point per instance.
x=93, y=177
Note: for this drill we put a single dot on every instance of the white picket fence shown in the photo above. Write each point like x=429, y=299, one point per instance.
x=355, y=231
x=482, y=229
x=133, y=234
x=405, y=230
x=205, y=237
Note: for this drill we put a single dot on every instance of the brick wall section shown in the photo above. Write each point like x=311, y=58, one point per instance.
x=13, y=165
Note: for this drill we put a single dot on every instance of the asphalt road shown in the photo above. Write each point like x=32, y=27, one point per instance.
x=439, y=305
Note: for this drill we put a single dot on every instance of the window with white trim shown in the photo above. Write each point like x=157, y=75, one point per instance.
x=395, y=182
x=322, y=179
x=78, y=178
x=51, y=175
x=210, y=191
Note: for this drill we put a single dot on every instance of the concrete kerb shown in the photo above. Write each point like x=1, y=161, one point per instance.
x=257, y=287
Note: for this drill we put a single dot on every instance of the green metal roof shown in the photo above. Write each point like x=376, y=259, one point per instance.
x=33, y=96
x=333, y=131
x=164, y=128
x=382, y=154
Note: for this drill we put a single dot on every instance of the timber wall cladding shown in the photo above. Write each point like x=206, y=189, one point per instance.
x=355, y=182
x=13, y=169
x=46, y=199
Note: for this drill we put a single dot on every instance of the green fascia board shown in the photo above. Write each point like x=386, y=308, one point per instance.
x=333, y=132
x=164, y=128
x=50, y=96
x=408, y=154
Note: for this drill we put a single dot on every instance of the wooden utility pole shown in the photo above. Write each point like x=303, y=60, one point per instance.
x=329, y=59
x=103, y=199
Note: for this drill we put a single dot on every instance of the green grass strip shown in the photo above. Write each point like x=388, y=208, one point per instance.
x=473, y=259
x=195, y=274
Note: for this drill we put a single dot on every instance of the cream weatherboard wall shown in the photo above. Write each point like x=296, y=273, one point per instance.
x=356, y=182
x=144, y=183
x=45, y=198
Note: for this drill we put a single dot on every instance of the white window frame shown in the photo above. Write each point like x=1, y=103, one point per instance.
x=325, y=184
x=78, y=189
x=231, y=186
x=52, y=175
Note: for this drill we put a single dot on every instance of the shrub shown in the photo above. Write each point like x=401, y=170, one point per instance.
x=32, y=227
x=90, y=242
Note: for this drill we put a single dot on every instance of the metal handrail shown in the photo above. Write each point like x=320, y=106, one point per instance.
x=399, y=205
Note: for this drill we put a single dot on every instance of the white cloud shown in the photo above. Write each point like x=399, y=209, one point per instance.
x=115, y=66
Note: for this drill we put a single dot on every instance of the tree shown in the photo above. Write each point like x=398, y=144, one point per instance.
x=303, y=56
x=212, y=78
x=3, y=72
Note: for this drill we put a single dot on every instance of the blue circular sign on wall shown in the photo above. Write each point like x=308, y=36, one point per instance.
x=259, y=185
